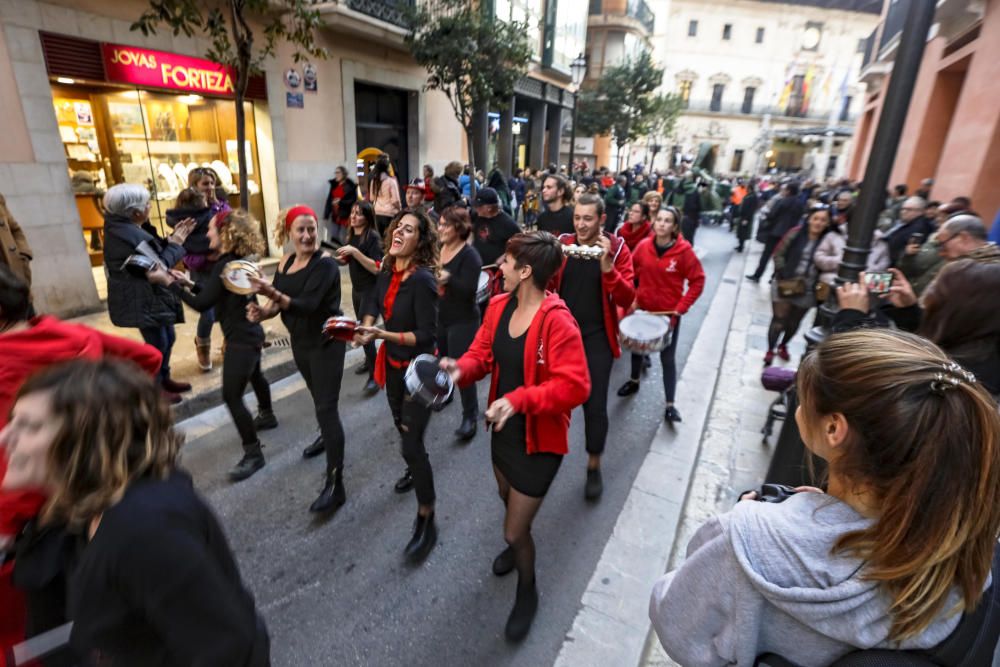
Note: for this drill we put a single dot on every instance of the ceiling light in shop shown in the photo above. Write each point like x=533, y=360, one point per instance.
x=63, y=79
x=191, y=99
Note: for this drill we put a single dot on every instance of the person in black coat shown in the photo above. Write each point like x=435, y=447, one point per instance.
x=744, y=215
x=785, y=213
x=132, y=301
x=339, y=202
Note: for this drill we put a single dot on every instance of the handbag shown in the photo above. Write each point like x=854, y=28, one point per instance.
x=822, y=291
x=791, y=287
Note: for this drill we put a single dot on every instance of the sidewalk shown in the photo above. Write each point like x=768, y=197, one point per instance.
x=688, y=475
x=206, y=389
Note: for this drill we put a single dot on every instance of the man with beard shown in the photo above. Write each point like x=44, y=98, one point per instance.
x=558, y=215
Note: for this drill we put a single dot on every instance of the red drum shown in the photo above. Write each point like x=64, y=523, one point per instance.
x=340, y=328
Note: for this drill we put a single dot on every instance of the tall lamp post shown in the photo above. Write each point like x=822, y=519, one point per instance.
x=579, y=69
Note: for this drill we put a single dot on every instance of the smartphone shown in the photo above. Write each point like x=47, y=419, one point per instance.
x=878, y=283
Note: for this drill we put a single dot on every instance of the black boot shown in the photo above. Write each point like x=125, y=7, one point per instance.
x=467, y=431
x=332, y=496
x=265, y=420
x=252, y=461
x=523, y=613
x=594, y=487
x=423, y=540
x=504, y=563
x=315, y=449
x=404, y=483
x=371, y=388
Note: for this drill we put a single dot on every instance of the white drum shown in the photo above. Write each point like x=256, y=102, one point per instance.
x=483, y=286
x=644, y=333
x=427, y=383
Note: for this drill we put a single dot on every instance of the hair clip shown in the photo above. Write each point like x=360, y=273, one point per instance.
x=956, y=369
x=942, y=383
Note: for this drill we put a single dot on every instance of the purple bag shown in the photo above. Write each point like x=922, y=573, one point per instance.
x=776, y=378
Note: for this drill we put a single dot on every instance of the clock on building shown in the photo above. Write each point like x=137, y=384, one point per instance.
x=811, y=36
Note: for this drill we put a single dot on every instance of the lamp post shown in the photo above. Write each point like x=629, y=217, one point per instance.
x=579, y=69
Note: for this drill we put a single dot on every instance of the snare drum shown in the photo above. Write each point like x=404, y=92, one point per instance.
x=643, y=333
x=236, y=276
x=483, y=286
x=427, y=383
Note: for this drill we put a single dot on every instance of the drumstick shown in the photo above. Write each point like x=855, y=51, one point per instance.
x=490, y=266
x=661, y=312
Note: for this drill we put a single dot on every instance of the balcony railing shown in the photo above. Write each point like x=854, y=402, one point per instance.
x=738, y=109
x=893, y=22
x=389, y=11
x=636, y=9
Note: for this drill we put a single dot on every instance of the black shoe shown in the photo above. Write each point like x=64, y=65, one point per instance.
x=371, y=388
x=671, y=415
x=332, y=496
x=753, y=278
x=594, y=487
x=361, y=369
x=504, y=563
x=251, y=462
x=265, y=420
x=423, y=540
x=738, y=248
x=628, y=388
x=523, y=613
x=467, y=431
x=405, y=483
x=315, y=449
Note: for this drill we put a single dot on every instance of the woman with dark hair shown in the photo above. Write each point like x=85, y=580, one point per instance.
x=406, y=297
x=896, y=555
x=383, y=193
x=339, y=202
x=154, y=581
x=306, y=292
x=458, y=311
x=636, y=226
x=363, y=256
x=234, y=235
x=793, y=292
x=530, y=343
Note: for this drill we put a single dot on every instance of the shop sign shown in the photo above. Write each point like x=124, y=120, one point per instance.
x=159, y=69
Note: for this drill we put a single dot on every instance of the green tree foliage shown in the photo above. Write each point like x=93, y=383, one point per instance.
x=625, y=103
x=471, y=56
x=238, y=44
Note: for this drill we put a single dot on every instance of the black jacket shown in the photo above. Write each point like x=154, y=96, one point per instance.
x=346, y=202
x=446, y=193
x=132, y=300
x=197, y=241
x=785, y=214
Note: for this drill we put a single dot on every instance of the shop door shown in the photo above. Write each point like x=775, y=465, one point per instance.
x=381, y=115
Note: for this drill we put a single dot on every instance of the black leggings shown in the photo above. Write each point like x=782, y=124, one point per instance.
x=667, y=360
x=411, y=421
x=358, y=298
x=595, y=410
x=322, y=367
x=241, y=364
x=784, y=323
x=453, y=341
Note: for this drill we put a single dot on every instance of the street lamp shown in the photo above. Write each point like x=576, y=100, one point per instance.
x=579, y=69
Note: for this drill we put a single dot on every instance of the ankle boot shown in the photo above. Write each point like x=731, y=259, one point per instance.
x=265, y=420
x=203, y=348
x=504, y=563
x=252, y=461
x=332, y=496
x=423, y=540
x=467, y=431
x=317, y=447
x=523, y=613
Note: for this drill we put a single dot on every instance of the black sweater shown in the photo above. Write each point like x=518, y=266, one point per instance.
x=230, y=308
x=315, y=297
x=458, y=304
x=370, y=246
x=415, y=310
x=158, y=585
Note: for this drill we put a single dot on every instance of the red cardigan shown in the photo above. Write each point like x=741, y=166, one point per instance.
x=661, y=279
x=556, y=379
x=617, y=286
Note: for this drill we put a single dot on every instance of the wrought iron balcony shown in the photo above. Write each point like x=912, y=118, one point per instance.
x=389, y=11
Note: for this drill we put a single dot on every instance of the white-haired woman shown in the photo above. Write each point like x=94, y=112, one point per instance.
x=132, y=301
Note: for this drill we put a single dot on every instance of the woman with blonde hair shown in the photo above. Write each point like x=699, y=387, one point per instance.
x=235, y=235
x=895, y=551
x=154, y=581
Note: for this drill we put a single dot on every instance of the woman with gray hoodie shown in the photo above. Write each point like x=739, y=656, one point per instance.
x=893, y=553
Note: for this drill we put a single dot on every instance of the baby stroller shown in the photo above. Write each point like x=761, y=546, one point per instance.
x=781, y=380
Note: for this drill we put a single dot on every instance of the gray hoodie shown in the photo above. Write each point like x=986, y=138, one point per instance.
x=762, y=579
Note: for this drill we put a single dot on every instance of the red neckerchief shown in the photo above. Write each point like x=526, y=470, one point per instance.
x=382, y=357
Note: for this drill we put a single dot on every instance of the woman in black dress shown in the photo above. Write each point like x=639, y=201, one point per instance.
x=363, y=256
x=235, y=235
x=531, y=344
x=306, y=291
x=458, y=313
x=406, y=296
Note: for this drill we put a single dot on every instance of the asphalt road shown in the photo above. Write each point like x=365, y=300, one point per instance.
x=339, y=592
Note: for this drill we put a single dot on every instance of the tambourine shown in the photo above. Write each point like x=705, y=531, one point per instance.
x=427, y=383
x=236, y=276
x=583, y=251
x=340, y=328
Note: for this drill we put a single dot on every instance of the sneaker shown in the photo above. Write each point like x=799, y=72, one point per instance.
x=265, y=420
x=628, y=388
x=671, y=415
x=783, y=353
x=769, y=358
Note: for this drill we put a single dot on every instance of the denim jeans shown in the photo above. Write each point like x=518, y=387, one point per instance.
x=162, y=338
x=207, y=318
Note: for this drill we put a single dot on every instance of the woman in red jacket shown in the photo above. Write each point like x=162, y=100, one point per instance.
x=636, y=226
x=531, y=344
x=670, y=280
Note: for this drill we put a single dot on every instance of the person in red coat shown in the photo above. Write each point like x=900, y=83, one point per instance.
x=636, y=226
x=593, y=292
x=29, y=345
x=670, y=281
x=530, y=343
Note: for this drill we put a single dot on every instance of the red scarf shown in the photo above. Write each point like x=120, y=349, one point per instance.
x=390, y=300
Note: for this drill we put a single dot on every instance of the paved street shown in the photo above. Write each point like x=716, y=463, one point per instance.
x=338, y=592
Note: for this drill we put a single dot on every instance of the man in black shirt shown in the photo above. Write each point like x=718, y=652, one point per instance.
x=491, y=226
x=558, y=215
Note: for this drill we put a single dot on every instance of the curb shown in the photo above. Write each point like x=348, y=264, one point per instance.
x=612, y=625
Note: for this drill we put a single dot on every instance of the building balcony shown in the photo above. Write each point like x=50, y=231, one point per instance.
x=382, y=18
x=630, y=14
x=739, y=110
